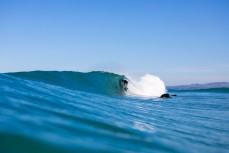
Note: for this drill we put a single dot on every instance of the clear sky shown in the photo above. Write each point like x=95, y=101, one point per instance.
x=181, y=41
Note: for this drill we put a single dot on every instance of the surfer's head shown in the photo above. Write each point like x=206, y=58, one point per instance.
x=124, y=82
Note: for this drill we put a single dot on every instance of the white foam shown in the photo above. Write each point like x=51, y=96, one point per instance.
x=147, y=86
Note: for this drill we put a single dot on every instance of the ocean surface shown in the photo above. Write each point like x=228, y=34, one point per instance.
x=69, y=112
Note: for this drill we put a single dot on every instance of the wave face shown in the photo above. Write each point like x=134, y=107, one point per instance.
x=69, y=112
x=97, y=82
x=94, y=82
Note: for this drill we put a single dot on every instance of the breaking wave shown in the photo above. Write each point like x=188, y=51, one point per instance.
x=97, y=82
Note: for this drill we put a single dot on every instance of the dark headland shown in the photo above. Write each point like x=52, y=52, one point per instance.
x=200, y=86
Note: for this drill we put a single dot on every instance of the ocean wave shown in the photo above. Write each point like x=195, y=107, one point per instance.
x=94, y=82
x=97, y=82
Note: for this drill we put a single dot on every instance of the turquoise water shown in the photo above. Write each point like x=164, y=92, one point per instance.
x=86, y=112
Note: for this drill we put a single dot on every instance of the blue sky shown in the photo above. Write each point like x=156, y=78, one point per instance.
x=182, y=42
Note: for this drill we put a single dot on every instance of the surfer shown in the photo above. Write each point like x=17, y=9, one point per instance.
x=124, y=84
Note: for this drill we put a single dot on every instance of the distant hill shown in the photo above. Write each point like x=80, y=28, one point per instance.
x=200, y=86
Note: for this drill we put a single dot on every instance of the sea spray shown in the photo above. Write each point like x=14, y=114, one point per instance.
x=147, y=86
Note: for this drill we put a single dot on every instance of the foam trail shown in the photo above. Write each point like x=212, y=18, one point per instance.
x=146, y=86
